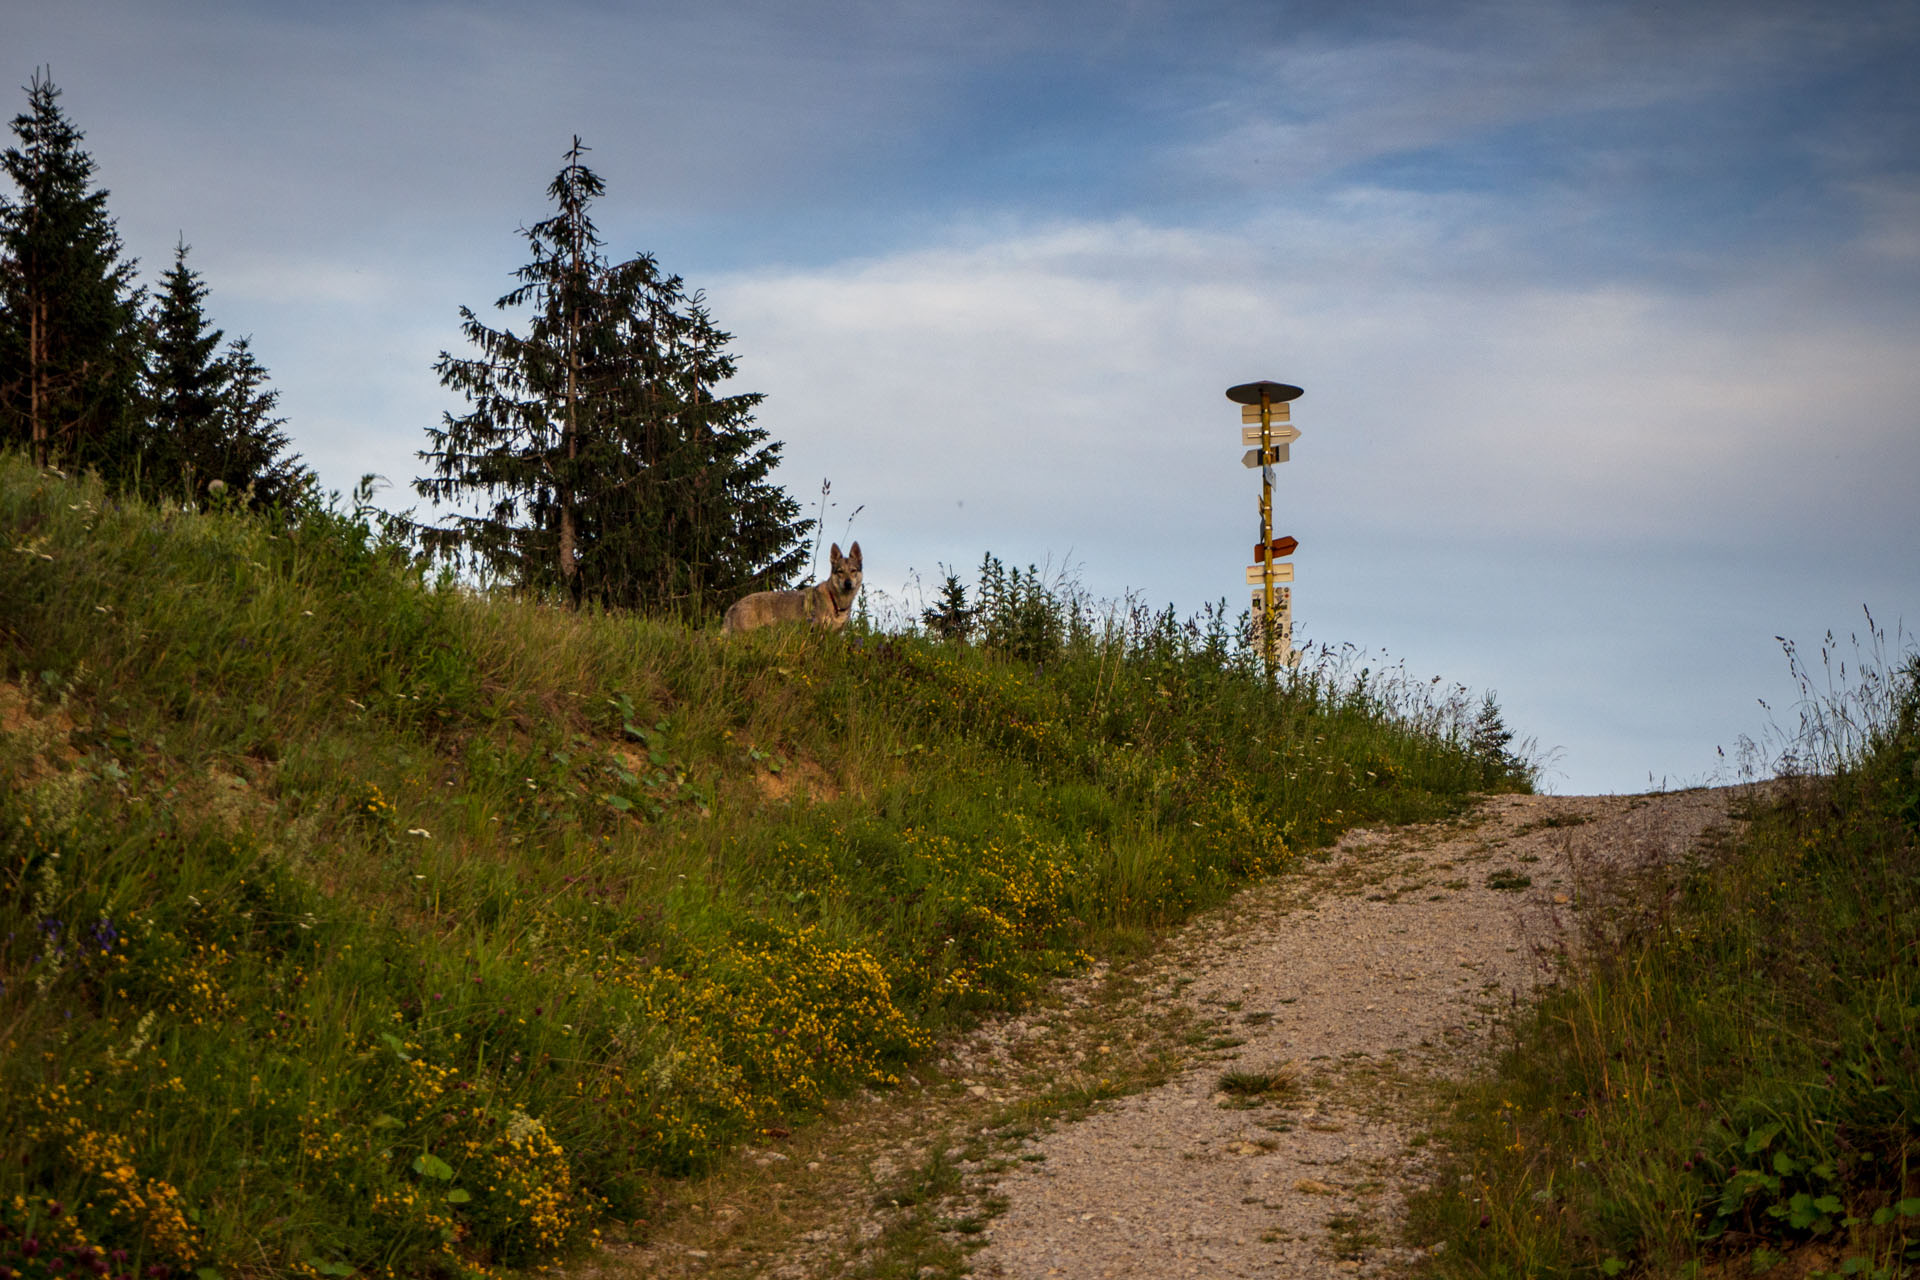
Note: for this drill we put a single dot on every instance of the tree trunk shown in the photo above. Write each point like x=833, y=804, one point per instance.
x=569, y=566
x=37, y=430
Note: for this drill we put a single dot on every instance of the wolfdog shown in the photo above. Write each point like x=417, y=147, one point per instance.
x=824, y=604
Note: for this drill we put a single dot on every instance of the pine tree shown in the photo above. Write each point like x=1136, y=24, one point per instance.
x=183, y=379
x=950, y=618
x=606, y=466
x=211, y=412
x=69, y=313
x=250, y=445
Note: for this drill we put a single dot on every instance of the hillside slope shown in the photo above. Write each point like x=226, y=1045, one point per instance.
x=354, y=923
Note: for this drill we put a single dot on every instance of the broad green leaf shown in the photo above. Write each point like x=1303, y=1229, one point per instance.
x=1759, y=1139
x=458, y=1196
x=432, y=1166
x=384, y=1121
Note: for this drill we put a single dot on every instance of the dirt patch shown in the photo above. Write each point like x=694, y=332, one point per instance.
x=43, y=730
x=802, y=778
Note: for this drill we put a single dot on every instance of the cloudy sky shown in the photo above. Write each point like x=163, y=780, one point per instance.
x=1608, y=313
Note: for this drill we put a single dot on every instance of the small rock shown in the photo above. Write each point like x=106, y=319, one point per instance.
x=977, y=1090
x=1314, y=1187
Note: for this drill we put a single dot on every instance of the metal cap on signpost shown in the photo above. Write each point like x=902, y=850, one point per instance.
x=1267, y=403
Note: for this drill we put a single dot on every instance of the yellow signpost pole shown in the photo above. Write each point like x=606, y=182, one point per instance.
x=1270, y=401
x=1267, y=637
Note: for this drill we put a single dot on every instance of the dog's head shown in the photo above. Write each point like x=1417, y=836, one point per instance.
x=844, y=580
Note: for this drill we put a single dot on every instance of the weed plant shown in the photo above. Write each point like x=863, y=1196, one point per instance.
x=1731, y=1084
x=353, y=922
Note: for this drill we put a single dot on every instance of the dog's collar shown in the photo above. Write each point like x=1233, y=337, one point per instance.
x=833, y=601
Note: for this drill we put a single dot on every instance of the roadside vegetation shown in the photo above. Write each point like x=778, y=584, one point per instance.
x=355, y=923
x=1730, y=1085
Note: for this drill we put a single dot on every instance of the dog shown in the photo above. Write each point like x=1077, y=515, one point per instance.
x=824, y=604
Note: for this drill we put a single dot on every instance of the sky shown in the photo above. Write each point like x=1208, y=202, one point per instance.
x=1608, y=314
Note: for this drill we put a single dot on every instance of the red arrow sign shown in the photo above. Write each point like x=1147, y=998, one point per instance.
x=1281, y=547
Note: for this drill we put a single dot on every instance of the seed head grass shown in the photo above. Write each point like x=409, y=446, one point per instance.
x=1731, y=1080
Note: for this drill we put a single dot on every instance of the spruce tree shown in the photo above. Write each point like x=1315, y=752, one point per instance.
x=605, y=465
x=950, y=617
x=250, y=445
x=69, y=312
x=183, y=379
x=210, y=411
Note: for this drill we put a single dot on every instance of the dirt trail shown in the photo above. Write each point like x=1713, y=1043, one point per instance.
x=1341, y=987
x=1387, y=964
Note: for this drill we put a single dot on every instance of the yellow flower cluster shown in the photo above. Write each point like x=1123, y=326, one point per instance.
x=1004, y=903
x=764, y=1023
x=152, y=1205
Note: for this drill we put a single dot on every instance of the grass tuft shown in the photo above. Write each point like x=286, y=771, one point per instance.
x=1268, y=1082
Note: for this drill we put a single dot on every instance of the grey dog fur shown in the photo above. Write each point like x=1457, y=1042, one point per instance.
x=824, y=604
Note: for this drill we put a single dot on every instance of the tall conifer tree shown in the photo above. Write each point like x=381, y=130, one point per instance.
x=251, y=446
x=211, y=412
x=69, y=313
x=608, y=467
x=183, y=374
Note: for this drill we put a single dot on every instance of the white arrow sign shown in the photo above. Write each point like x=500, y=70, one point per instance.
x=1280, y=435
x=1251, y=458
x=1257, y=573
x=1281, y=412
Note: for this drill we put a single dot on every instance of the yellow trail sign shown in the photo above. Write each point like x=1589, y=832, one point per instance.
x=1251, y=413
x=1280, y=435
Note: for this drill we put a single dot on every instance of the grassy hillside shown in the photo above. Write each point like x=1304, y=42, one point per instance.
x=352, y=923
x=1731, y=1086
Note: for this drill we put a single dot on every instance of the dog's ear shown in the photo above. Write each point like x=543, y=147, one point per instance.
x=833, y=555
x=853, y=556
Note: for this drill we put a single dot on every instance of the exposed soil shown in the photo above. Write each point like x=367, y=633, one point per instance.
x=1246, y=1100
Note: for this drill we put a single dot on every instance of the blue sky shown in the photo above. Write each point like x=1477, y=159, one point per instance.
x=1607, y=313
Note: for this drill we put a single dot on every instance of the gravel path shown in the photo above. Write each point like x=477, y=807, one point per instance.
x=1091, y=1136
x=1350, y=984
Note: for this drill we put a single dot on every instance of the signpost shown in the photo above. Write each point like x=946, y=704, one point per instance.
x=1281, y=435
x=1267, y=403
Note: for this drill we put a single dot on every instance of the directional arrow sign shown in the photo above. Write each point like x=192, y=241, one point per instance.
x=1279, y=413
x=1257, y=573
x=1280, y=435
x=1280, y=546
x=1252, y=457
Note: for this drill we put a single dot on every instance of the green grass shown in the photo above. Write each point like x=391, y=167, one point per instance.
x=1731, y=1083
x=352, y=922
